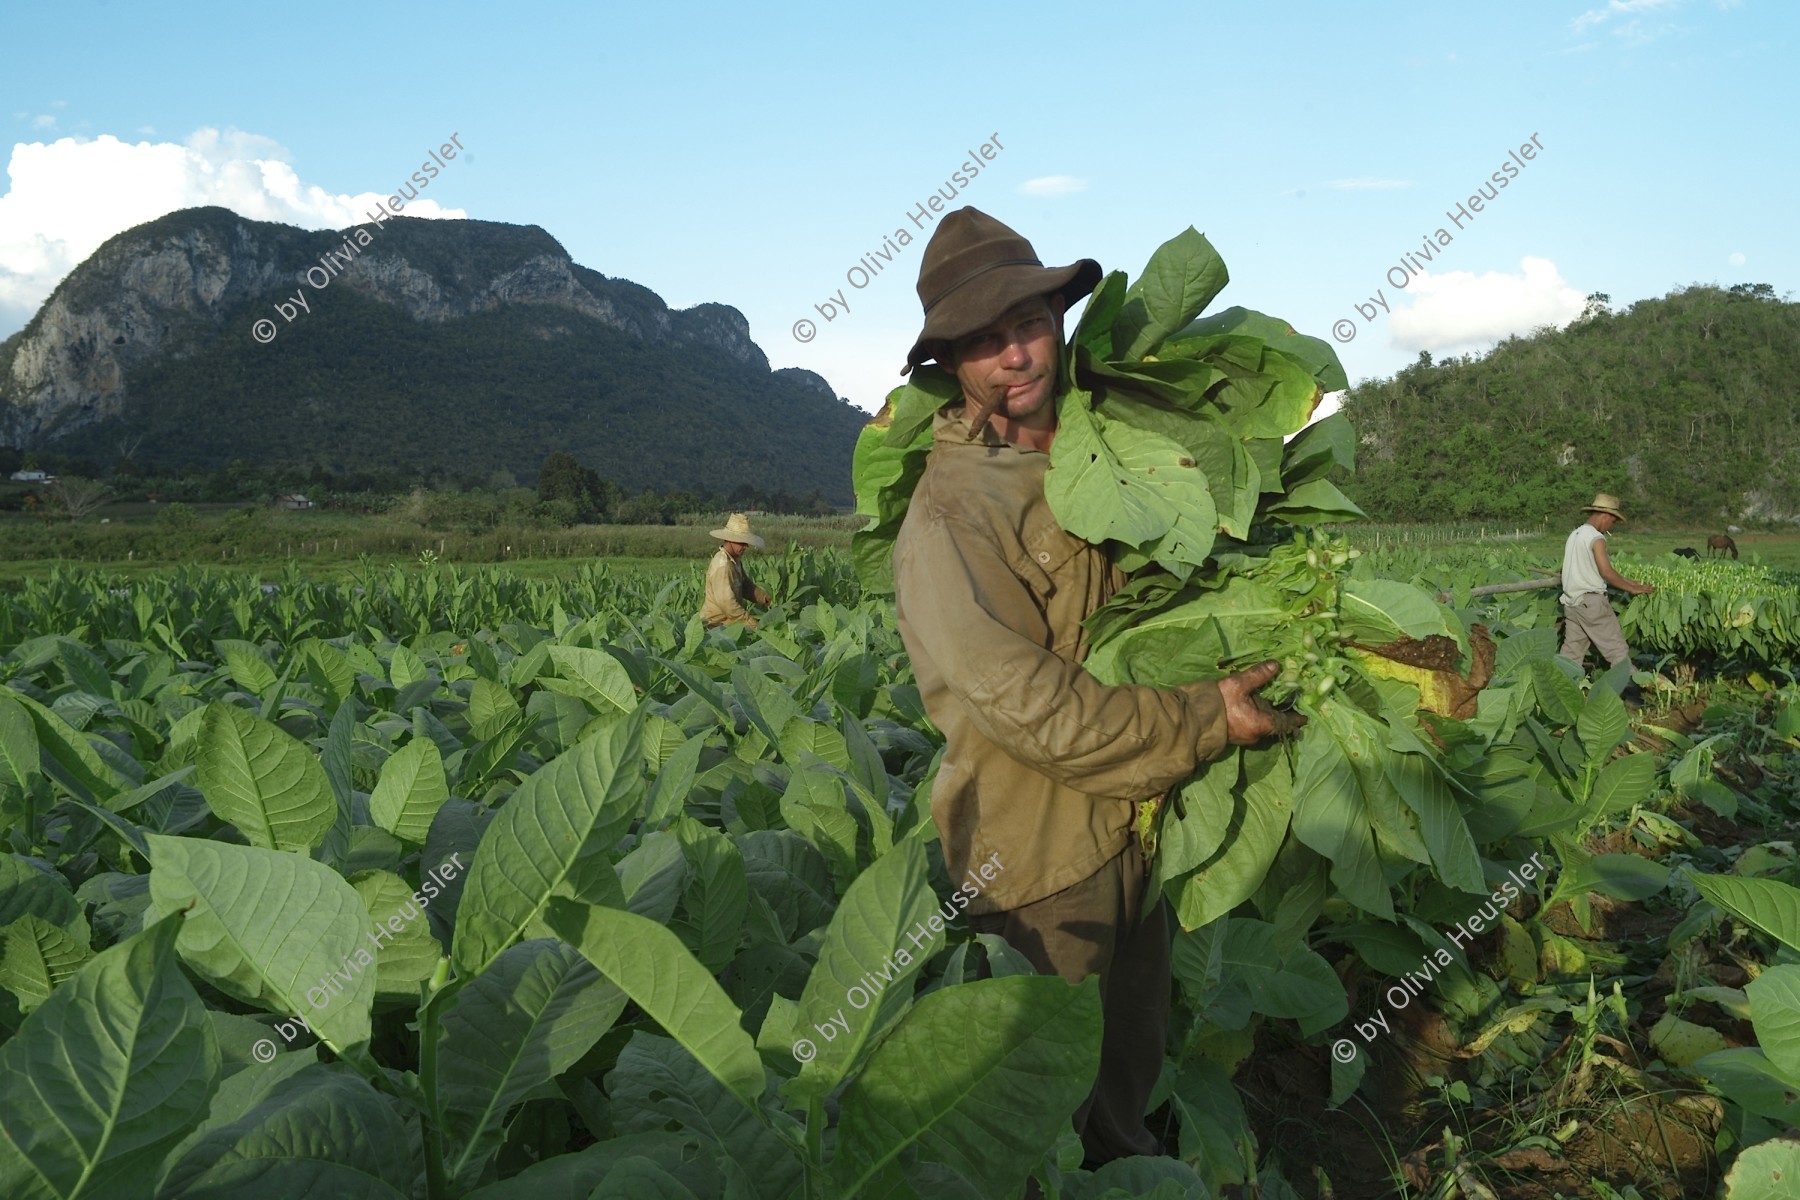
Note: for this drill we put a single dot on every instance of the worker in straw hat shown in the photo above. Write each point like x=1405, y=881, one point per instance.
x=1588, y=618
x=727, y=585
x=1043, y=767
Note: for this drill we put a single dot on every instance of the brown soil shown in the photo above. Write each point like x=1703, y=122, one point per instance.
x=1715, y=830
x=1285, y=1090
x=1683, y=719
x=1660, y=1143
x=1614, y=1121
x=1658, y=1140
x=1612, y=920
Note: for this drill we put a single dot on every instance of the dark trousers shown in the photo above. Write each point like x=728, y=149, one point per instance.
x=1092, y=928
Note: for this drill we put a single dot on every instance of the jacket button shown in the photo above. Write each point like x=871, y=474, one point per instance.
x=1043, y=556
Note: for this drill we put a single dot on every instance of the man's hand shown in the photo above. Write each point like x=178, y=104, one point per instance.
x=1248, y=717
x=761, y=597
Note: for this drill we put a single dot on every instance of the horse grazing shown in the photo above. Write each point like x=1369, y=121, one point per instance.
x=1720, y=542
x=1685, y=552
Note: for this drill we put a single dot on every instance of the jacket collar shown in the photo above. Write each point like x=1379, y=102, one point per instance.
x=951, y=424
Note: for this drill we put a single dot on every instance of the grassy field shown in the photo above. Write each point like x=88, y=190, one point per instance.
x=141, y=540
x=1543, y=546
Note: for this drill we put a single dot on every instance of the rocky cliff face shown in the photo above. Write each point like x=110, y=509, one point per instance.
x=168, y=289
x=140, y=293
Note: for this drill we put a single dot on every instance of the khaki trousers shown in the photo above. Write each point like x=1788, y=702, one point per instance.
x=1592, y=620
x=1091, y=928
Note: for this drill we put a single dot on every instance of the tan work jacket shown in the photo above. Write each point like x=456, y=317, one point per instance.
x=1044, y=766
x=727, y=587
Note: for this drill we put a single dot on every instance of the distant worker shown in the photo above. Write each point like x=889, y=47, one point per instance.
x=727, y=586
x=1588, y=616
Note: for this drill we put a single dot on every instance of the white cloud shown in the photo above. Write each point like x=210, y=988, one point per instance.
x=1736, y=260
x=1366, y=184
x=1052, y=185
x=43, y=121
x=1328, y=404
x=69, y=196
x=1459, y=310
x=1616, y=8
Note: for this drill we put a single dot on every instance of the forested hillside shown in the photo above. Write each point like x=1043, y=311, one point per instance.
x=470, y=347
x=360, y=385
x=1684, y=406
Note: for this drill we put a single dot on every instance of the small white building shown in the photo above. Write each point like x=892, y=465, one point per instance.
x=294, y=501
x=33, y=477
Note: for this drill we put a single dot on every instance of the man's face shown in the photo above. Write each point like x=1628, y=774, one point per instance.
x=1016, y=357
x=736, y=549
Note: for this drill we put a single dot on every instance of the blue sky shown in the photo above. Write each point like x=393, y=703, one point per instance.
x=750, y=155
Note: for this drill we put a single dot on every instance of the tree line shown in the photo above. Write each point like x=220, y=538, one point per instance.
x=1680, y=405
x=566, y=493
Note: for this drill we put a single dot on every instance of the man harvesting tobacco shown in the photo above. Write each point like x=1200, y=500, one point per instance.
x=728, y=585
x=1586, y=572
x=1044, y=767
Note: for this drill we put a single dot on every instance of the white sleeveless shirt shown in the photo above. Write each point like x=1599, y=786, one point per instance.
x=1580, y=573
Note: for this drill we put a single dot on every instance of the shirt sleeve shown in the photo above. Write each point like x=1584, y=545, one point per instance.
x=721, y=596
x=965, y=605
x=746, y=586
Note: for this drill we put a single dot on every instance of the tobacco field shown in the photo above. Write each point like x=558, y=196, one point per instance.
x=682, y=849
x=429, y=882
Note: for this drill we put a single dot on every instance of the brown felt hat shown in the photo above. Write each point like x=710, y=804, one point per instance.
x=975, y=269
x=1605, y=502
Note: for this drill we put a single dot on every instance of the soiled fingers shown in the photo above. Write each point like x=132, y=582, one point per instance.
x=1250, y=718
x=1286, y=721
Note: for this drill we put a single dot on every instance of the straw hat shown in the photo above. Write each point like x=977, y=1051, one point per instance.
x=737, y=529
x=975, y=268
x=1605, y=502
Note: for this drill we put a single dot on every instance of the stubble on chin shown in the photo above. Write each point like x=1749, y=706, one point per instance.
x=1041, y=397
